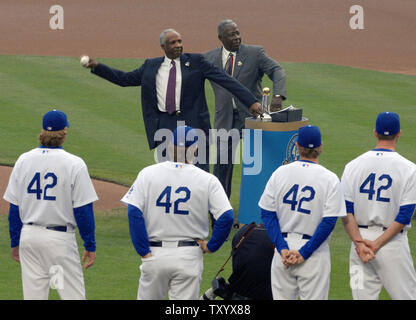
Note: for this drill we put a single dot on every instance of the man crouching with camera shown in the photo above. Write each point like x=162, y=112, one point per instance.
x=252, y=254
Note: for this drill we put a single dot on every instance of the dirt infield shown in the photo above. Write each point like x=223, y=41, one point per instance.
x=109, y=194
x=295, y=30
x=291, y=31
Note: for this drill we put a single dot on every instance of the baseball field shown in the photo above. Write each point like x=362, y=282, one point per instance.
x=341, y=78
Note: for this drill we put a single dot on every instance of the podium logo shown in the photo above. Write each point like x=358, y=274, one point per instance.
x=292, y=153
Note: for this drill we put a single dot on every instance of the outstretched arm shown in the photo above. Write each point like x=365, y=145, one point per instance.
x=232, y=85
x=121, y=78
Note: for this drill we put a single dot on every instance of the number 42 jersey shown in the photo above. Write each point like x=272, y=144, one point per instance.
x=302, y=193
x=46, y=184
x=175, y=199
x=378, y=183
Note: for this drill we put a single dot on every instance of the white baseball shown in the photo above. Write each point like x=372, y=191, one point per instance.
x=84, y=60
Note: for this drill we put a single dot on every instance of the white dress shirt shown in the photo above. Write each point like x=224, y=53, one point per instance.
x=162, y=78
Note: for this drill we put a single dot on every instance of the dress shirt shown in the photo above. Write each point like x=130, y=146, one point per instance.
x=162, y=78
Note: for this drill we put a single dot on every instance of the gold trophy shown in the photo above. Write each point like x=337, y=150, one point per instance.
x=266, y=105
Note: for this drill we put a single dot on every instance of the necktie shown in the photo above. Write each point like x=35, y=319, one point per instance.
x=170, y=93
x=229, y=64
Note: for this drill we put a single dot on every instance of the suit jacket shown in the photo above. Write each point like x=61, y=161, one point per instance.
x=194, y=110
x=251, y=63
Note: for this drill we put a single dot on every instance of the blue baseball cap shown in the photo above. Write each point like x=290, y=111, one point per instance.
x=309, y=137
x=55, y=120
x=184, y=136
x=387, y=123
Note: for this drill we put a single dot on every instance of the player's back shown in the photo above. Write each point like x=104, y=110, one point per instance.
x=305, y=192
x=45, y=179
x=378, y=182
x=178, y=198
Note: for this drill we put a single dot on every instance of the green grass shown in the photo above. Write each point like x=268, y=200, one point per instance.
x=115, y=274
x=107, y=131
x=107, y=126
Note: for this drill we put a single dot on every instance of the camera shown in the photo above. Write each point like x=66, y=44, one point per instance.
x=220, y=288
x=208, y=295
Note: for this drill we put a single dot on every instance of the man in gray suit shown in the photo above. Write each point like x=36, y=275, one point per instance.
x=248, y=64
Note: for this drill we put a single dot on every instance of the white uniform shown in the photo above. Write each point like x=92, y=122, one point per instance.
x=46, y=184
x=302, y=193
x=379, y=182
x=175, y=199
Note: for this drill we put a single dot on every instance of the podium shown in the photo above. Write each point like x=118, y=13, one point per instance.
x=266, y=146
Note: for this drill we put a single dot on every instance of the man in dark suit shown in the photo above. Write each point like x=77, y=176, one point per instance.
x=173, y=89
x=247, y=64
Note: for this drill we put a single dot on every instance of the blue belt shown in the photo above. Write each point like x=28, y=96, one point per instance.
x=304, y=236
x=181, y=243
x=55, y=228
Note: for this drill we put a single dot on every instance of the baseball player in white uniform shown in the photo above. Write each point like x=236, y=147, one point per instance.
x=168, y=207
x=380, y=194
x=299, y=207
x=50, y=193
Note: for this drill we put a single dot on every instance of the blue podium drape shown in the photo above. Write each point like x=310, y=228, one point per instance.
x=266, y=146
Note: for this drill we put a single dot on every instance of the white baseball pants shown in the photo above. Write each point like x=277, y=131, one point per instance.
x=50, y=258
x=172, y=271
x=307, y=281
x=392, y=268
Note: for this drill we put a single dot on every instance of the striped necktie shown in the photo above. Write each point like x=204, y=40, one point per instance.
x=229, y=64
